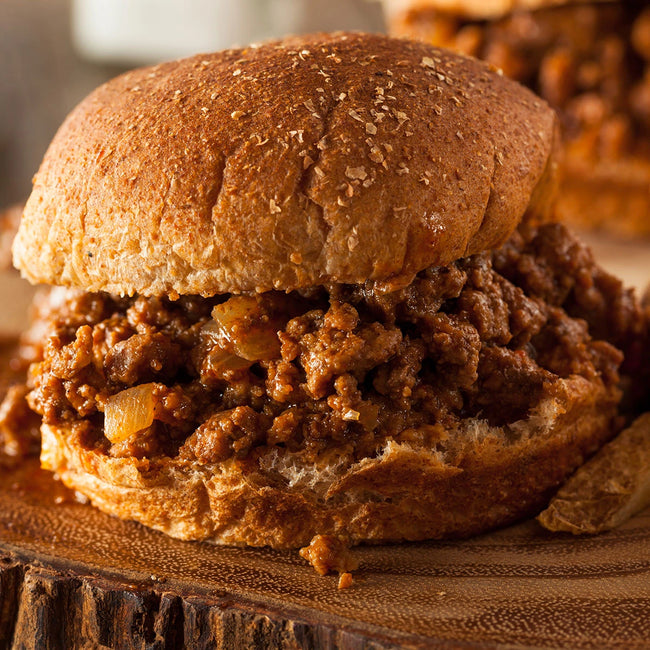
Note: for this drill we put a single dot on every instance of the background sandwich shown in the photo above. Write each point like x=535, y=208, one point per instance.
x=591, y=62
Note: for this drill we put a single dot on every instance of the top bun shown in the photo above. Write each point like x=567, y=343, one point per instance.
x=477, y=9
x=326, y=158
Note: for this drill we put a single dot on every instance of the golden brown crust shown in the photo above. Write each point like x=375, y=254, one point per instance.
x=482, y=478
x=325, y=158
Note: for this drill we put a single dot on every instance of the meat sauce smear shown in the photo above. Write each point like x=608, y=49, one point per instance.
x=207, y=379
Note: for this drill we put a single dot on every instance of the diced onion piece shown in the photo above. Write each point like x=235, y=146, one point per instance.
x=258, y=345
x=219, y=361
x=128, y=411
x=351, y=415
x=250, y=331
x=235, y=309
x=366, y=415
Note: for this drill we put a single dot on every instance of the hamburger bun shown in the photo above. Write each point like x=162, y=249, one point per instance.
x=483, y=478
x=364, y=168
x=331, y=159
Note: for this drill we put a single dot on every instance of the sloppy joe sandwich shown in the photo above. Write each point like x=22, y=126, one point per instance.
x=591, y=62
x=306, y=288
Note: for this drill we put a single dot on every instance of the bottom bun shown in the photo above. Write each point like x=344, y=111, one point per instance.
x=477, y=478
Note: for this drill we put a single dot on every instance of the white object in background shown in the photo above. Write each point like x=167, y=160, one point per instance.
x=148, y=31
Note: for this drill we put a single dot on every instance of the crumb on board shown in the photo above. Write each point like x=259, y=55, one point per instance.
x=345, y=580
x=327, y=553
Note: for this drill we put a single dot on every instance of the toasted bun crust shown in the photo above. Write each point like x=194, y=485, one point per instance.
x=478, y=9
x=479, y=478
x=328, y=158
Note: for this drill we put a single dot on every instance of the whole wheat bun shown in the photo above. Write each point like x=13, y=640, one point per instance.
x=479, y=478
x=328, y=158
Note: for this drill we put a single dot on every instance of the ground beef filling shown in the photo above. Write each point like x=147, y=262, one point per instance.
x=591, y=61
x=208, y=379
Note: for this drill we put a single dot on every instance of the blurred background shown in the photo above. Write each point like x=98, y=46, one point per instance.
x=53, y=52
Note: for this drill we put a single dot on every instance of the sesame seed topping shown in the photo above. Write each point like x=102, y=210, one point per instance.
x=376, y=155
x=401, y=117
x=356, y=173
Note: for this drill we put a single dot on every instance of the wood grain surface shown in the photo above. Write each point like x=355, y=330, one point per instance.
x=71, y=576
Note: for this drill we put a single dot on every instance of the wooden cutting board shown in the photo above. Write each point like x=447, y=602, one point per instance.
x=71, y=576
